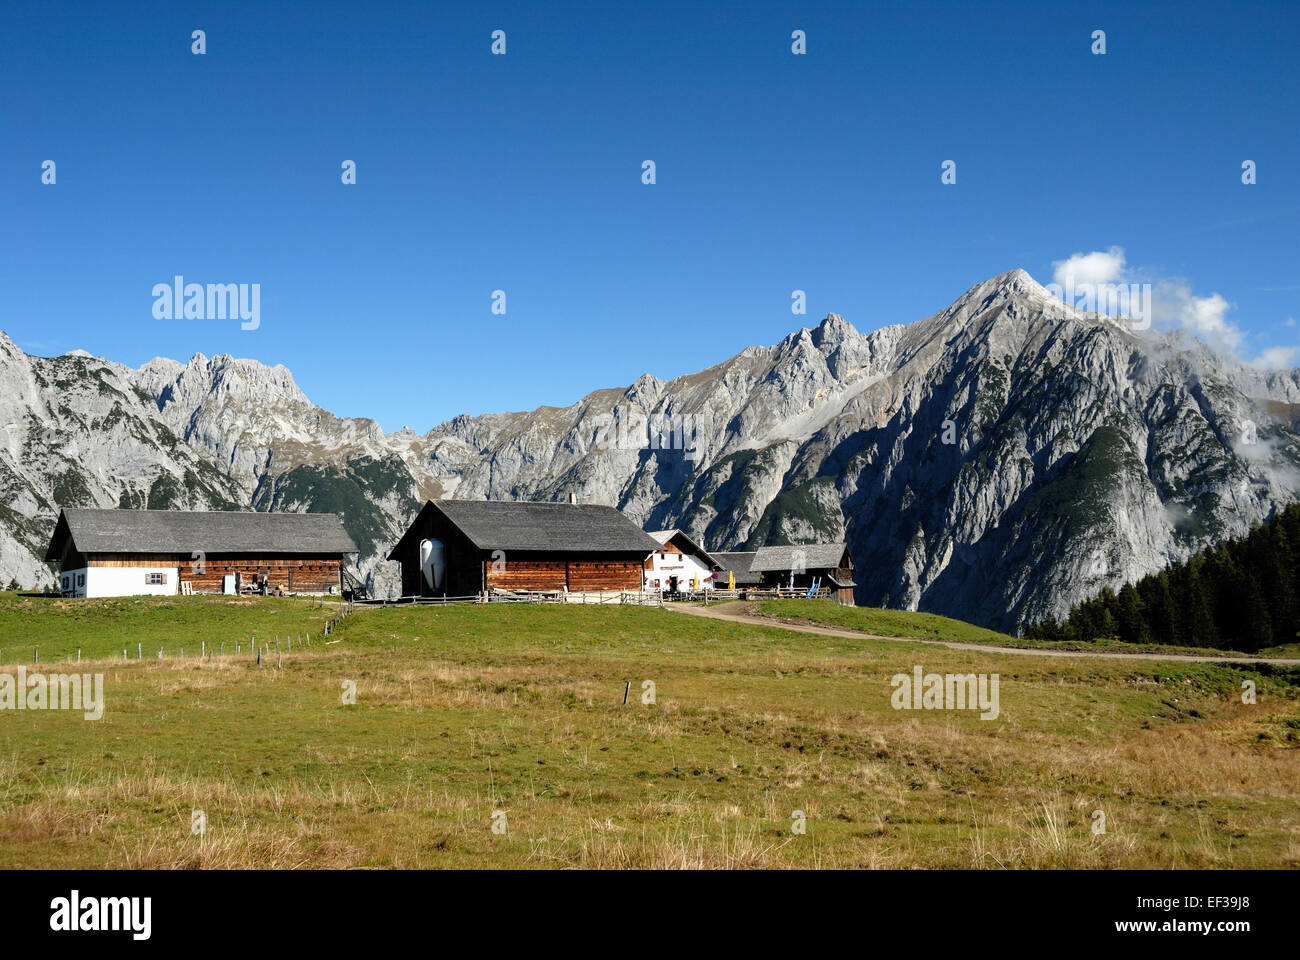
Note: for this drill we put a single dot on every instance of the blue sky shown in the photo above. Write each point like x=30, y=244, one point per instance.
x=522, y=173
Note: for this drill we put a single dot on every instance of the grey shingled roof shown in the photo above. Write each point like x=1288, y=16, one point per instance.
x=184, y=532
x=817, y=556
x=663, y=536
x=736, y=562
x=564, y=527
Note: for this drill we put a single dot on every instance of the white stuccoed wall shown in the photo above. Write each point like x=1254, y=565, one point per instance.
x=129, y=581
x=683, y=570
x=69, y=577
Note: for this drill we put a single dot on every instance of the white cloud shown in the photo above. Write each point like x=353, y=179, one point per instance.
x=1090, y=268
x=1277, y=358
x=1173, y=303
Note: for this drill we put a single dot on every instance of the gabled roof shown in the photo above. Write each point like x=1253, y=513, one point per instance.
x=526, y=525
x=737, y=563
x=816, y=556
x=188, y=531
x=663, y=536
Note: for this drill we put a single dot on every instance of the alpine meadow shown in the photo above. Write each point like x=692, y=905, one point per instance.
x=848, y=452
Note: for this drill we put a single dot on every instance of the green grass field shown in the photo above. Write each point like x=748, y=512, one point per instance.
x=930, y=626
x=462, y=712
x=141, y=625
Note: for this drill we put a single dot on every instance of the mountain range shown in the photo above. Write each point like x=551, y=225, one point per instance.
x=996, y=462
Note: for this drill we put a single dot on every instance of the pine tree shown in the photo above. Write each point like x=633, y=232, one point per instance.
x=1198, y=606
x=1130, y=625
x=1240, y=594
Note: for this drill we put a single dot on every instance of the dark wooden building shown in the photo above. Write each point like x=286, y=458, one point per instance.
x=735, y=567
x=459, y=548
x=114, y=553
x=827, y=563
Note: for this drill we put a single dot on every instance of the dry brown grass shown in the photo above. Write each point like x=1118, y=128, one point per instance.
x=451, y=727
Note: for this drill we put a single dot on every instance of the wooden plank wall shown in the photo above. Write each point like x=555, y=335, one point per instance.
x=135, y=560
x=605, y=575
x=557, y=574
x=528, y=575
x=292, y=575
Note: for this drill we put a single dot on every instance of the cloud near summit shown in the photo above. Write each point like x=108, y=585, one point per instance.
x=1174, y=304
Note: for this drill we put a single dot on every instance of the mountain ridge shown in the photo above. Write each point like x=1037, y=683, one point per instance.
x=938, y=448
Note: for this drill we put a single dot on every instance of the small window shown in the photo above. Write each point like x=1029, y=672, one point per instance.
x=81, y=579
x=66, y=582
x=155, y=579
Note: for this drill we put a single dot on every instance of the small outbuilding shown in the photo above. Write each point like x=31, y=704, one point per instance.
x=460, y=548
x=800, y=565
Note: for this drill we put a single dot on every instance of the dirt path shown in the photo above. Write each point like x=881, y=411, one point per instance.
x=721, y=613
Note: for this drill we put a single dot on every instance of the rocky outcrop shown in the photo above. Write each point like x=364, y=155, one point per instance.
x=995, y=462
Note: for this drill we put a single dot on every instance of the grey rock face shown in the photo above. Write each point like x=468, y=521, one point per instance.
x=995, y=462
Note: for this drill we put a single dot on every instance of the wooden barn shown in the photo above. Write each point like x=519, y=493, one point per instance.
x=116, y=553
x=460, y=548
x=827, y=563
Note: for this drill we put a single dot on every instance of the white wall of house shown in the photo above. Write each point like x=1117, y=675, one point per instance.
x=72, y=583
x=683, y=566
x=128, y=581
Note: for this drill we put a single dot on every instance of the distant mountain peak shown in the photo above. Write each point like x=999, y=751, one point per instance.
x=995, y=461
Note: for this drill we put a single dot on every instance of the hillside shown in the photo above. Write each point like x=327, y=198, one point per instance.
x=997, y=462
x=1243, y=594
x=462, y=712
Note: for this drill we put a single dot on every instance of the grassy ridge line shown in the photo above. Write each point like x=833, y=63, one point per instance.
x=929, y=626
x=104, y=628
x=467, y=710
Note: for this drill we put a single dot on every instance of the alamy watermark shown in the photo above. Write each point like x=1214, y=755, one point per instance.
x=636, y=431
x=179, y=300
x=56, y=691
x=75, y=913
x=946, y=691
x=1121, y=301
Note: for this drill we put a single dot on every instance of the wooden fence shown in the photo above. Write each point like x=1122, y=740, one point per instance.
x=647, y=598
x=620, y=597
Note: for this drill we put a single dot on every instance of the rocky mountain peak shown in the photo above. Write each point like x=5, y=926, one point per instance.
x=833, y=330
x=8, y=349
x=996, y=461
